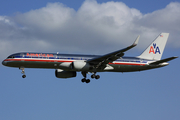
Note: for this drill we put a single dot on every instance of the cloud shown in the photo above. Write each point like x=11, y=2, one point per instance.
x=94, y=28
x=51, y=17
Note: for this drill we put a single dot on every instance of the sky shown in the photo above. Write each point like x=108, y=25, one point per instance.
x=89, y=27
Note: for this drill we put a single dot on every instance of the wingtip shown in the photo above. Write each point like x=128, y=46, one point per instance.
x=136, y=41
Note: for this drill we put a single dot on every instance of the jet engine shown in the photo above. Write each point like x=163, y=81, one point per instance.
x=64, y=74
x=80, y=66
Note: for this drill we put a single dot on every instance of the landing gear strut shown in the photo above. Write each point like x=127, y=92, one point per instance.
x=23, y=72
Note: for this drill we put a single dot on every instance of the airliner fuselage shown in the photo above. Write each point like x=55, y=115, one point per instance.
x=64, y=61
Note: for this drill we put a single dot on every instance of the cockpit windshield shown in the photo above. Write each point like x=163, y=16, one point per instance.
x=11, y=56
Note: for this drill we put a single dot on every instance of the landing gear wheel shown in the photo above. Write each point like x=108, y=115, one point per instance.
x=88, y=81
x=97, y=76
x=23, y=76
x=93, y=76
x=83, y=80
x=23, y=72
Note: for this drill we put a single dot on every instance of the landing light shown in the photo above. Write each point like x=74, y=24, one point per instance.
x=164, y=64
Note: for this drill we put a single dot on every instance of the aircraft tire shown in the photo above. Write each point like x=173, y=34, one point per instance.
x=83, y=80
x=23, y=76
x=93, y=76
x=97, y=76
x=88, y=81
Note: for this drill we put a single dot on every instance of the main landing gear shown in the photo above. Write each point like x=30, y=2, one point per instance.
x=88, y=80
x=23, y=72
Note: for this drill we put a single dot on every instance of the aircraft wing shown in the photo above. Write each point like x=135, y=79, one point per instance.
x=105, y=59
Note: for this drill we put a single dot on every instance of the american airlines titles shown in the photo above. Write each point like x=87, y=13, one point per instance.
x=39, y=55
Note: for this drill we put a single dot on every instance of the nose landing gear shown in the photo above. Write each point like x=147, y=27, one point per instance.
x=23, y=72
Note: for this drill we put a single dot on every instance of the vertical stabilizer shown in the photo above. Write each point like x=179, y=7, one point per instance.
x=155, y=50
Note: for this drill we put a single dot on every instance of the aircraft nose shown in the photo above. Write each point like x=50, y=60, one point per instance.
x=4, y=62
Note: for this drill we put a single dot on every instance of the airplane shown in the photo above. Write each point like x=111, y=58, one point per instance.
x=67, y=65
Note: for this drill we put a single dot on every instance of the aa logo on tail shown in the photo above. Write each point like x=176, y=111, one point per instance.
x=154, y=49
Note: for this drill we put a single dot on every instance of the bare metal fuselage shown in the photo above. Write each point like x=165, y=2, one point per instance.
x=64, y=61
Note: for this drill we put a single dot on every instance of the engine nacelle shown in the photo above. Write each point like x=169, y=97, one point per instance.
x=64, y=74
x=80, y=66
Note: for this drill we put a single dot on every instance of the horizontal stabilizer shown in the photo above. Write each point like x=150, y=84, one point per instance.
x=164, y=60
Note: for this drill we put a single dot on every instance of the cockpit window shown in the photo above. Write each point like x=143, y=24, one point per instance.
x=11, y=56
